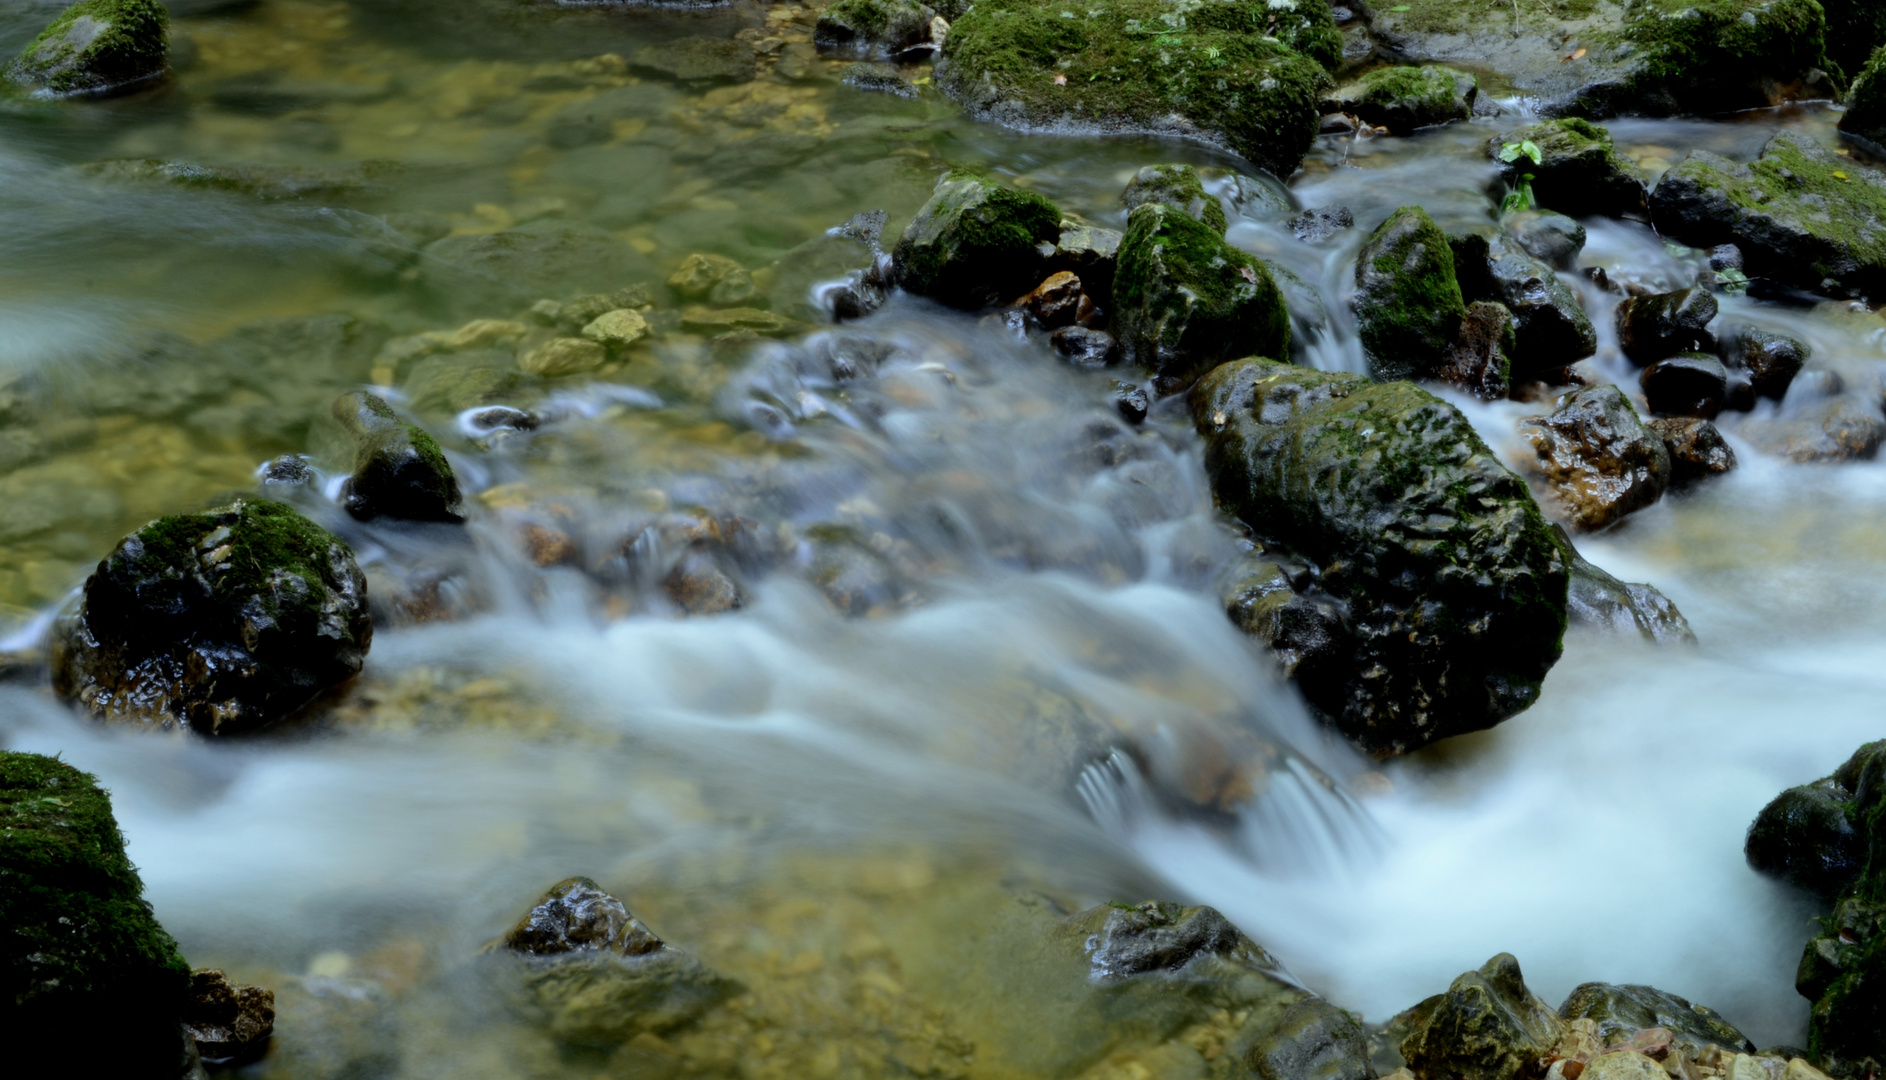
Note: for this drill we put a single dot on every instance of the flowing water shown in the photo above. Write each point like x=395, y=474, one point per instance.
x=1033, y=700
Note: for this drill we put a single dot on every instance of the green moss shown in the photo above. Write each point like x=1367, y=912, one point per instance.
x=1704, y=53
x=131, y=46
x=1177, y=186
x=1430, y=87
x=1409, y=308
x=974, y=242
x=1185, y=300
x=429, y=452
x=870, y=18
x=1866, y=103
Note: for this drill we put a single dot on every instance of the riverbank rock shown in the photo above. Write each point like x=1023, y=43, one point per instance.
x=1801, y=215
x=1185, y=301
x=594, y=975
x=399, y=470
x=873, y=29
x=1179, y=187
x=1596, y=457
x=88, y=976
x=1697, y=449
x=1237, y=74
x=1409, y=306
x=1865, y=118
x=1550, y=327
x=1453, y=583
x=1487, y=1026
x=222, y=621
x=1402, y=99
x=974, y=243
x=1579, y=171
x=97, y=47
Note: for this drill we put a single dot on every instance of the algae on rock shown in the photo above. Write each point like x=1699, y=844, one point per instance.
x=976, y=243
x=97, y=47
x=1409, y=307
x=1402, y=99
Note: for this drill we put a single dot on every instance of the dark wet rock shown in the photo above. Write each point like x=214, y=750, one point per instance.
x=976, y=243
x=1603, y=602
x=1772, y=360
x=399, y=470
x=83, y=962
x=1156, y=936
x=878, y=79
x=1316, y=226
x=697, y=60
x=1085, y=348
x=1409, y=306
x=1553, y=239
x=1623, y=1011
x=1314, y=1040
x=1479, y=361
x=1811, y=836
x=1693, y=384
x=97, y=47
x=1653, y=327
x=699, y=586
x=231, y=1024
x=1596, y=457
x=1185, y=301
x=493, y=271
x=1453, y=583
x=1402, y=99
x=879, y=29
x=1304, y=629
x=1697, y=449
x=1055, y=302
x=1803, y=216
x=1246, y=79
x=223, y=621
x=287, y=471
x=1131, y=402
x=1090, y=253
x=1865, y=118
x=1845, y=427
x=1579, y=171
x=1551, y=328
x=595, y=975
x=1487, y=1026
x=1179, y=187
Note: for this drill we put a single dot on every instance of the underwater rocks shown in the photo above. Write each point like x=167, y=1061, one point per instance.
x=399, y=470
x=85, y=969
x=1579, y=171
x=221, y=622
x=1409, y=306
x=1244, y=75
x=491, y=271
x=1402, y=99
x=1454, y=585
x=974, y=243
x=1596, y=457
x=97, y=47
x=1185, y=301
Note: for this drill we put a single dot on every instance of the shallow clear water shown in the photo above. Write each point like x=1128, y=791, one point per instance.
x=821, y=804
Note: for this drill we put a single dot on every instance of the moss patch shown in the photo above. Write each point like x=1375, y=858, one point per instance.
x=1409, y=307
x=1185, y=300
x=1866, y=104
x=1177, y=186
x=974, y=243
x=97, y=45
x=1704, y=53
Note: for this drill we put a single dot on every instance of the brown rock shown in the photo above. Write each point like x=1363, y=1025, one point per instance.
x=231, y=1024
x=1597, y=458
x=1697, y=449
x=1479, y=360
x=1055, y=302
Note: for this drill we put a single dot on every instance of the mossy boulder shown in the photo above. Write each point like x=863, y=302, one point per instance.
x=97, y=47
x=1550, y=327
x=1178, y=186
x=85, y=969
x=221, y=621
x=976, y=243
x=1596, y=457
x=1487, y=1026
x=1865, y=118
x=399, y=470
x=1409, y=306
x=878, y=29
x=1402, y=99
x=1220, y=72
x=1453, y=584
x=1801, y=215
x=1855, y=28
x=1185, y=301
x=1579, y=171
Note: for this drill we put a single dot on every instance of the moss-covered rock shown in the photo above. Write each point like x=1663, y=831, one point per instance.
x=873, y=28
x=97, y=47
x=1402, y=99
x=1221, y=72
x=1855, y=28
x=1409, y=306
x=84, y=966
x=399, y=470
x=1865, y=118
x=1801, y=215
x=1579, y=171
x=1487, y=1026
x=1596, y=457
x=976, y=243
x=221, y=621
x=1480, y=359
x=1177, y=186
x=1550, y=327
x=1454, y=585
x=1185, y=301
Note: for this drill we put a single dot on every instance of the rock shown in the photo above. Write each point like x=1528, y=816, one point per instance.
x=1697, y=449
x=1226, y=74
x=737, y=320
x=1488, y=1026
x=1131, y=402
x=231, y=1024
x=1846, y=427
x=1865, y=118
x=1185, y=301
x=1579, y=171
x=1409, y=307
x=1603, y=602
x=1453, y=583
x=1803, y=216
x=1084, y=348
x=1303, y=629
x=1651, y=328
x=713, y=279
x=1622, y=1011
x=1402, y=99
x=878, y=29
x=593, y=119
x=1772, y=360
x=1693, y=384
x=974, y=243
x=1316, y=226
x=1553, y=239
x=878, y=79
x=1092, y=255
x=1055, y=302
x=698, y=586
x=222, y=621
x=697, y=60
x=266, y=182
x=287, y=471
x=1479, y=359
x=594, y=975
x=399, y=470
x=1623, y=1065
x=1156, y=936
x=1550, y=326
x=1596, y=457
x=1314, y=1041
x=1809, y=837
x=483, y=271
x=1257, y=196
x=84, y=963
x=616, y=329
x=1179, y=187
x=97, y=47
x=564, y=356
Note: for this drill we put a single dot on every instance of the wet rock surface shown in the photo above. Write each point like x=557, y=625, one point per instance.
x=1620, y=1012
x=1553, y=239
x=1402, y=99
x=1409, y=306
x=878, y=29
x=1697, y=449
x=399, y=470
x=97, y=47
x=1600, y=601
x=1487, y=1026
x=1693, y=384
x=1865, y=118
x=1771, y=360
x=1844, y=427
x=1653, y=327
x=974, y=243
x=1597, y=458
x=231, y=1024
x=1579, y=171
x=1551, y=328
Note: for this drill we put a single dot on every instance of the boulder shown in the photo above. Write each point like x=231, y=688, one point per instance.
x=1553, y=239
x=1278, y=605
x=399, y=470
x=976, y=243
x=1090, y=253
x=1810, y=836
x=876, y=29
x=1055, y=302
x=1651, y=328
x=1479, y=361
x=221, y=622
x=1402, y=99
x=1622, y=1011
x=1185, y=301
x=1693, y=384
x=1772, y=360
x=1409, y=306
x=1487, y=1026
x=1596, y=457
x=1453, y=584
x=1085, y=348
x=1844, y=427
x=1579, y=171
x=97, y=47
x=1602, y=602
x=1236, y=74
x=1802, y=216
x=88, y=976
x=1314, y=1040
x=1179, y=187
x=231, y=1024
x=1551, y=329
x=1697, y=449
x=1865, y=118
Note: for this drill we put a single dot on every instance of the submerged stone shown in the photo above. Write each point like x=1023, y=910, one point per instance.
x=1185, y=301
x=1402, y=99
x=1579, y=171
x=492, y=271
x=1487, y=1026
x=399, y=470
x=976, y=243
x=1179, y=187
x=222, y=621
x=698, y=60
x=97, y=47
x=1596, y=457
x=1843, y=427
x=1603, y=602
x=1409, y=306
